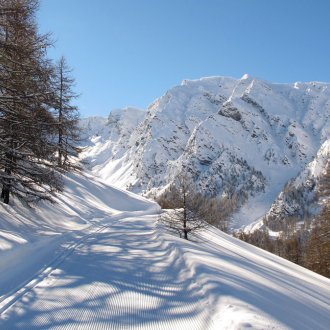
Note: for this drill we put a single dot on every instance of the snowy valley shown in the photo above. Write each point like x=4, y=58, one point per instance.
x=206, y=209
x=98, y=258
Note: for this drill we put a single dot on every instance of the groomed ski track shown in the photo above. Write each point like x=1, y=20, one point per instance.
x=125, y=272
x=121, y=277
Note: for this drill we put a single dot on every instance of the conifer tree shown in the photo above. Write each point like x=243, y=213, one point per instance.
x=66, y=114
x=318, y=249
x=27, y=128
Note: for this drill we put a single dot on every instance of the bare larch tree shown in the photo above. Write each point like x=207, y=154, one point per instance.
x=66, y=114
x=27, y=128
x=188, y=208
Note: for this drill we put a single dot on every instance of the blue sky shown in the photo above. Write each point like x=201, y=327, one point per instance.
x=129, y=52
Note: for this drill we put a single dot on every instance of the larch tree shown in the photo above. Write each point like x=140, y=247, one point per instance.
x=27, y=127
x=66, y=114
x=189, y=210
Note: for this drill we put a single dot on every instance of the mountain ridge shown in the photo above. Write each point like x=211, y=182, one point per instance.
x=243, y=136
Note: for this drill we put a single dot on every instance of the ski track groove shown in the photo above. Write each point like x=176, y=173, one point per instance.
x=122, y=276
x=7, y=300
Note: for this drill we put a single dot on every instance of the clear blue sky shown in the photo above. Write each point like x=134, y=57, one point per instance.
x=129, y=52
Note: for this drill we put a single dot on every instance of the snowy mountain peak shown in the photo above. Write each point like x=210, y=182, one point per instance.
x=246, y=76
x=234, y=136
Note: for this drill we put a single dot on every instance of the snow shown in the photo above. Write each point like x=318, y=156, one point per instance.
x=98, y=259
x=231, y=134
x=45, y=230
x=308, y=183
x=317, y=166
x=246, y=76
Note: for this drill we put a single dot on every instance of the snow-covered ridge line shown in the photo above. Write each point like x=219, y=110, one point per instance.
x=243, y=136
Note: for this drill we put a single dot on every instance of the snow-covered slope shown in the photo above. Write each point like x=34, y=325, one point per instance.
x=244, y=136
x=108, y=140
x=300, y=195
x=32, y=237
x=98, y=260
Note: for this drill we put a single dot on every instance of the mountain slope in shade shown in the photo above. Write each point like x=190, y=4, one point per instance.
x=244, y=136
x=98, y=260
x=299, y=198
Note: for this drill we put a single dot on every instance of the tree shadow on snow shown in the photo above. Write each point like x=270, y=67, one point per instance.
x=119, y=278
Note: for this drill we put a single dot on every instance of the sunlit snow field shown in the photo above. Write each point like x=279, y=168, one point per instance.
x=98, y=259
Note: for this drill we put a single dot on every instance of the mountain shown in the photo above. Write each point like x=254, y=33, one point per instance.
x=108, y=140
x=300, y=198
x=98, y=257
x=242, y=136
x=297, y=225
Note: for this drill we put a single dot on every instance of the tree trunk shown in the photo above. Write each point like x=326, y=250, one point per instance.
x=7, y=181
x=60, y=137
x=60, y=147
x=60, y=117
x=5, y=194
x=185, y=231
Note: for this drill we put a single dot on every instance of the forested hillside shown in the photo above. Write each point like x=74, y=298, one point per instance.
x=297, y=227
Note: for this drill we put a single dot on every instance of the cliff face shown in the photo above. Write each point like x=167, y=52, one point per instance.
x=300, y=197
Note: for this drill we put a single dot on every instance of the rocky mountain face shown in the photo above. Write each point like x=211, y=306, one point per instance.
x=300, y=199
x=233, y=136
